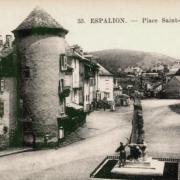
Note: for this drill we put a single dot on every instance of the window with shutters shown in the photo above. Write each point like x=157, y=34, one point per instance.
x=2, y=85
x=63, y=62
x=1, y=108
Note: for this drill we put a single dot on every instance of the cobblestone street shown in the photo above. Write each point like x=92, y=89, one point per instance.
x=162, y=128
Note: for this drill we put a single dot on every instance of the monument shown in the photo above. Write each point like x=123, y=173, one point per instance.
x=138, y=163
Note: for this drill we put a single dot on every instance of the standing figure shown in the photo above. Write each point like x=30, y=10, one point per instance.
x=122, y=155
x=104, y=103
x=113, y=106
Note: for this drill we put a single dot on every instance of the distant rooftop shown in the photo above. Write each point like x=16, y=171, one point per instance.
x=39, y=18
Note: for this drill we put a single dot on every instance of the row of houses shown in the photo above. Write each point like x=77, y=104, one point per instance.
x=46, y=84
x=88, y=80
x=152, y=84
x=158, y=68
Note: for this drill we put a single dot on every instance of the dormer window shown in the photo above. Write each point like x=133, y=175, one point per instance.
x=63, y=62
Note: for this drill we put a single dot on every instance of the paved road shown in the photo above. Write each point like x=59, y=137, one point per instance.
x=101, y=135
x=162, y=128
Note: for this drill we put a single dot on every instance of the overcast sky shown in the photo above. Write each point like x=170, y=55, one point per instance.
x=155, y=37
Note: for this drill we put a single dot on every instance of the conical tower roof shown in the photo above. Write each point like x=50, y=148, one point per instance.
x=39, y=18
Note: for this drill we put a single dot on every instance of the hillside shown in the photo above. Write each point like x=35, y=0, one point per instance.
x=114, y=58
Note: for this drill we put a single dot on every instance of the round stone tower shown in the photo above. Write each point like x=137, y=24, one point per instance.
x=40, y=41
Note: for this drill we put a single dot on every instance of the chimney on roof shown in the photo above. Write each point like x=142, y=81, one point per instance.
x=9, y=40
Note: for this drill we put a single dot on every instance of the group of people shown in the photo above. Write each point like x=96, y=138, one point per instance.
x=104, y=104
x=99, y=104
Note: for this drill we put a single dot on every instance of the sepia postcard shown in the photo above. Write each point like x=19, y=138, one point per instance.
x=89, y=90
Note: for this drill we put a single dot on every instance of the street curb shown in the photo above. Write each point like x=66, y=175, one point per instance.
x=16, y=152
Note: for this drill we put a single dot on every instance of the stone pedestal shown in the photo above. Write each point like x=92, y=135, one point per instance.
x=148, y=167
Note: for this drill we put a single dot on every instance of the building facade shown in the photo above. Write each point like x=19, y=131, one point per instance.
x=84, y=78
x=105, y=84
x=8, y=97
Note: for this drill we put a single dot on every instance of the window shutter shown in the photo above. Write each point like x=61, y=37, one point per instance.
x=1, y=108
x=62, y=84
x=59, y=86
x=2, y=83
x=63, y=62
x=26, y=72
x=60, y=62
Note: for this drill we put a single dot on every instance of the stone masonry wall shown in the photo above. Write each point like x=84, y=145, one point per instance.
x=40, y=91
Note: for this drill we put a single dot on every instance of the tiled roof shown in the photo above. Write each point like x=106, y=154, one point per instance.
x=39, y=18
x=103, y=71
x=81, y=57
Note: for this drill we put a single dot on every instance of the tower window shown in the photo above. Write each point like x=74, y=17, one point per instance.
x=26, y=72
x=63, y=62
x=2, y=85
x=1, y=108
